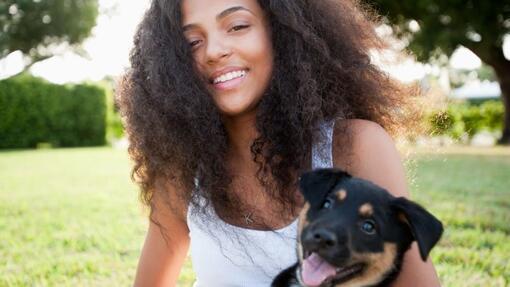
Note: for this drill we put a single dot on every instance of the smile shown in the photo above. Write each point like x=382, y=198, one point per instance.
x=229, y=76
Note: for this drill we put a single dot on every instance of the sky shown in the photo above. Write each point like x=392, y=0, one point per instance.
x=108, y=51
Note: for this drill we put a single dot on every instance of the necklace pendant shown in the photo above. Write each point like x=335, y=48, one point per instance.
x=248, y=219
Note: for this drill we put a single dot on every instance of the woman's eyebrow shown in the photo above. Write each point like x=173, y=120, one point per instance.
x=221, y=15
x=231, y=10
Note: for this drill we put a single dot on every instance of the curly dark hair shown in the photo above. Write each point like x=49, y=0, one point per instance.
x=322, y=71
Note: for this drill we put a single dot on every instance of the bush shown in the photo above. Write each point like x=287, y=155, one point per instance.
x=465, y=118
x=33, y=111
x=441, y=122
x=494, y=113
x=114, y=127
x=473, y=120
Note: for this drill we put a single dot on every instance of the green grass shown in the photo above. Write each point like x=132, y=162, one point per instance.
x=71, y=217
x=471, y=195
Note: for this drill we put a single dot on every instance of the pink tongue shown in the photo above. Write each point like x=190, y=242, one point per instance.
x=315, y=270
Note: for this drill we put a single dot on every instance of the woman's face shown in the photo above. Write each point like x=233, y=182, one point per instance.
x=231, y=45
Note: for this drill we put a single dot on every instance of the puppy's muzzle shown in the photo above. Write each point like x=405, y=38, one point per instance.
x=327, y=243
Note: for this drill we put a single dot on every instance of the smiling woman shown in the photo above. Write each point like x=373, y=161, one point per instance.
x=232, y=51
x=225, y=107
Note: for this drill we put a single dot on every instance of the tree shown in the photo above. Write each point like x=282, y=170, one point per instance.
x=36, y=27
x=438, y=27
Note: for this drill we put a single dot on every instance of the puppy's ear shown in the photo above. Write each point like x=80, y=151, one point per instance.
x=316, y=184
x=426, y=228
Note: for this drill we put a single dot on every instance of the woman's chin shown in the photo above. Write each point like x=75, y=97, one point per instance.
x=236, y=113
x=233, y=110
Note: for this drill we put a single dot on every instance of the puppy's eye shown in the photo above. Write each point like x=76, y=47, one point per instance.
x=368, y=226
x=327, y=203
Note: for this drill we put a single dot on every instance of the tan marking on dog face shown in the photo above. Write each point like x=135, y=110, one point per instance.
x=366, y=210
x=378, y=264
x=341, y=194
x=301, y=225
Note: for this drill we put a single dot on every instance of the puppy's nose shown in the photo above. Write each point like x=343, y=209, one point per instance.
x=325, y=238
x=321, y=239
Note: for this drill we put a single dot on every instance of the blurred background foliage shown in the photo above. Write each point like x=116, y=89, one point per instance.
x=34, y=112
x=435, y=28
x=38, y=27
x=465, y=118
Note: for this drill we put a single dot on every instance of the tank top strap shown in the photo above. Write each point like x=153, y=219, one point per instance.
x=322, y=147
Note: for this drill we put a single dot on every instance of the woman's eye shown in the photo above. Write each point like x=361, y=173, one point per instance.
x=238, y=27
x=194, y=43
x=368, y=226
x=327, y=203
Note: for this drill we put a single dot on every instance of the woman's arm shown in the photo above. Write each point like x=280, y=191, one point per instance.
x=162, y=257
x=373, y=156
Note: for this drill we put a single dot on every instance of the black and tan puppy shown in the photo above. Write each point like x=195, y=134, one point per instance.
x=353, y=233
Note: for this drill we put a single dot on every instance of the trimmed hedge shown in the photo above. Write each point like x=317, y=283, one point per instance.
x=114, y=126
x=465, y=118
x=33, y=111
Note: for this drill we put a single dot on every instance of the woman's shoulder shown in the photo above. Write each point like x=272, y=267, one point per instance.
x=369, y=153
x=361, y=130
x=362, y=137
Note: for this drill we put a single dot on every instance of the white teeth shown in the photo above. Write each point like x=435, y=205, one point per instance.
x=229, y=76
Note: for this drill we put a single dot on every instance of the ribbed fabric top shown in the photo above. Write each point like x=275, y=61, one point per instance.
x=224, y=255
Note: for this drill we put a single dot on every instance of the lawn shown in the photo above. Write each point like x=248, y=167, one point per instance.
x=71, y=217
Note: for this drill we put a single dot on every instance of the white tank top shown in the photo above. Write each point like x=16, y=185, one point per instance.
x=224, y=255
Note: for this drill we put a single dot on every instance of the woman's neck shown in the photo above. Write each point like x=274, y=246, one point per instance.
x=241, y=132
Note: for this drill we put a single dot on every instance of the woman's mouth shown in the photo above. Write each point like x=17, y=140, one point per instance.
x=229, y=80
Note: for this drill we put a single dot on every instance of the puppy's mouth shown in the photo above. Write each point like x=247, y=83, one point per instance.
x=315, y=271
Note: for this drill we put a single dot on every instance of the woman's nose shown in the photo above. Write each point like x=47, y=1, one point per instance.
x=217, y=49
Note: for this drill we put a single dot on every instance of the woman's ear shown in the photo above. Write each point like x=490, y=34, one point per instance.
x=316, y=184
x=426, y=228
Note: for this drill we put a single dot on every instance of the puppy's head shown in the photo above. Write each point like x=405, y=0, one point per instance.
x=354, y=233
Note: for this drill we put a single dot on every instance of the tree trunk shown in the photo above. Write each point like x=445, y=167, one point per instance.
x=502, y=70
x=494, y=57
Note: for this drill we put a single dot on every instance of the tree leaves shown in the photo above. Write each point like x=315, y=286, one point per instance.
x=32, y=26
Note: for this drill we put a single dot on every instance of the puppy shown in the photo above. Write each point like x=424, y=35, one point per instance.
x=353, y=233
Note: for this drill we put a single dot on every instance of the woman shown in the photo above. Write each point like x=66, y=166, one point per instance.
x=226, y=103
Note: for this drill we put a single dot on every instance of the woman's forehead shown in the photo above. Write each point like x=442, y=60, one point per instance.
x=194, y=11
